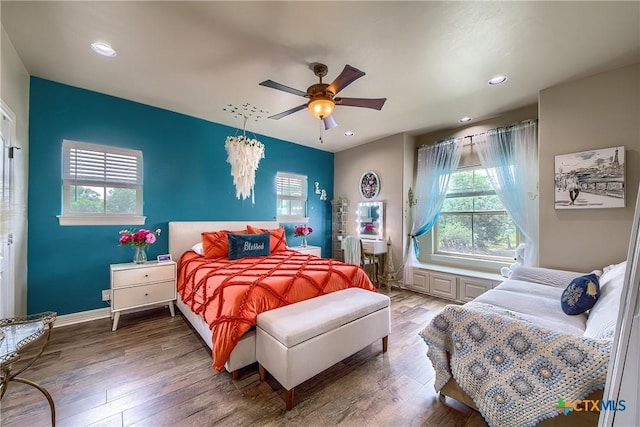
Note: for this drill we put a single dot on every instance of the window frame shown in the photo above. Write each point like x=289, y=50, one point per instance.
x=304, y=198
x=100, y=218
x=481, y=260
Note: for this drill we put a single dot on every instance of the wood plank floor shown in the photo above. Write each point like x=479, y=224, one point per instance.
x=155, y=371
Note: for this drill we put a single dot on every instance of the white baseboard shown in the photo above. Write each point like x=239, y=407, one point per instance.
x=83, y=316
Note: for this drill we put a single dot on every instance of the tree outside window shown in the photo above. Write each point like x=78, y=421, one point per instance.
x=473, y=221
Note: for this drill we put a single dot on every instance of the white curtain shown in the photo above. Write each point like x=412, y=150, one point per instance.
x=436, y=163
x=510, y=157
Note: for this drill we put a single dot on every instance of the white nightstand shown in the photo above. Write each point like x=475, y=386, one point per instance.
x=311, y=250
x=140, y=285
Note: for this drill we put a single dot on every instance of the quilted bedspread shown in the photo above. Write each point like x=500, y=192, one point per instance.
x=513, y=370
x=229, y=294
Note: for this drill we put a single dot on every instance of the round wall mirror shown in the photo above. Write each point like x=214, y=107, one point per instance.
x=369, y=185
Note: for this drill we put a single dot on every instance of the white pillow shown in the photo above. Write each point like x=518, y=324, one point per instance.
x=604, y=314
x=198, y=248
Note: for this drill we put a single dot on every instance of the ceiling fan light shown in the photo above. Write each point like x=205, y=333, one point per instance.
x=321, y=107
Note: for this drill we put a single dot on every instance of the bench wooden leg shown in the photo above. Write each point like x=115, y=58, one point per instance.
x=385, y=343
x=262, y=373
x=289, y=399
x=235, y=375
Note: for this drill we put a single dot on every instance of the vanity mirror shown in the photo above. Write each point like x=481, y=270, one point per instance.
x=370, y=220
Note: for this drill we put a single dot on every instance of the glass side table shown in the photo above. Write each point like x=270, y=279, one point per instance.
x=16, y=334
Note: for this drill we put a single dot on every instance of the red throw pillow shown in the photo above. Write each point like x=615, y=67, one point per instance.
x=216, y=244
x=277, y=239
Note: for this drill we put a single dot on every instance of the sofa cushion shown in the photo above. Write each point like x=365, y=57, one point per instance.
x=580, y=295
x=536, y=303
x=604, y=314
x=544, y=276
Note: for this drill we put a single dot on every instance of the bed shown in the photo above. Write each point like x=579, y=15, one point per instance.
x=221, y=298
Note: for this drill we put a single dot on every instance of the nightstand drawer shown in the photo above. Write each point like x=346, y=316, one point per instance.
x=143, y=295
x=142, y=275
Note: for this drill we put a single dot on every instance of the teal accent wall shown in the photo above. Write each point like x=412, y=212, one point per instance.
x=186, y=178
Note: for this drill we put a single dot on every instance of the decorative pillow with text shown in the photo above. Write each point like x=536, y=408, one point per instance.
x=248, y=245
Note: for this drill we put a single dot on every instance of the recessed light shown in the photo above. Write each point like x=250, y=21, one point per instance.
x=103, y=49
x=348, y=133
x=464, y=119
x=497, y=80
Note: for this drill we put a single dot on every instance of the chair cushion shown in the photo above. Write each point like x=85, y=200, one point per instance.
x=296, y=323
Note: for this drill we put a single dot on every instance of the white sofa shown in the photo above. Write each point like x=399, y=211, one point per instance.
x=534, y=293
x=530, y=296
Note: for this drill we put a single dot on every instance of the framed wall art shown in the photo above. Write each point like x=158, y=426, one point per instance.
x=590, y=179
x=369, y=185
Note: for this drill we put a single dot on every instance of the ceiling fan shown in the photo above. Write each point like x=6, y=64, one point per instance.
x=322, y=96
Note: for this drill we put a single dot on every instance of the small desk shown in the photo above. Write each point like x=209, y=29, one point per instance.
x=375, y=250
x=16, y=334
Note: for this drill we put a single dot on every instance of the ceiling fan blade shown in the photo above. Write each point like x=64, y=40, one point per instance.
x=329, y=122
x=346, y=77
x=290, y=111
x=375, y=103
x=274, y=85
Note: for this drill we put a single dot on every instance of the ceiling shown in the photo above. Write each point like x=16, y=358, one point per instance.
x=431, y=60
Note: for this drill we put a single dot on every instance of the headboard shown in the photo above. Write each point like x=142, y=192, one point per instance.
x=184, y=234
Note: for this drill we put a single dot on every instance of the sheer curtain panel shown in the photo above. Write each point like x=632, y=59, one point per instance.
x=510, y=157
x=436, y=163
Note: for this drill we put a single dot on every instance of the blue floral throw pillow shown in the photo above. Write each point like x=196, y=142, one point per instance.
x=581, y=294
x=248, y=245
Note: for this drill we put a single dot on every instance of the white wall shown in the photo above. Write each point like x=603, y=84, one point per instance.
x=14, y=91
x=386, y=157
x=595, y=112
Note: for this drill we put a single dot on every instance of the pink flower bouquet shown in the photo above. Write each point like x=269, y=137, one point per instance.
x=302, y=231
x=140, y=238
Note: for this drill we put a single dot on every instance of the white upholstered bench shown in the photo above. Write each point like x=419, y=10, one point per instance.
x=298, y=341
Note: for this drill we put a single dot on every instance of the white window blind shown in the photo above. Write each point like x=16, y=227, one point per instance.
x=90, y=164
x=291, y=190
x=101, y=182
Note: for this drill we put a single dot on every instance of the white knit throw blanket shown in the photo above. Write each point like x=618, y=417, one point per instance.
x=513, y=370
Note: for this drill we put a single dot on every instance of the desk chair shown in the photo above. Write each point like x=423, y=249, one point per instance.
x=370, y=264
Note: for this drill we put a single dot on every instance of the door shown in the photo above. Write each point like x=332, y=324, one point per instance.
x=7, y=213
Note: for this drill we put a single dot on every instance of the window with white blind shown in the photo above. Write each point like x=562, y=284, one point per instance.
x=101, y=185
x=291, y=190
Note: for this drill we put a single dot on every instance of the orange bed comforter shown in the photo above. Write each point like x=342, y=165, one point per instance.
x=229, y=294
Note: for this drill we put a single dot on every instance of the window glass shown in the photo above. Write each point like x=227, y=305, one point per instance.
x=101, y=181
x=291, y=191
x=473, y=221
